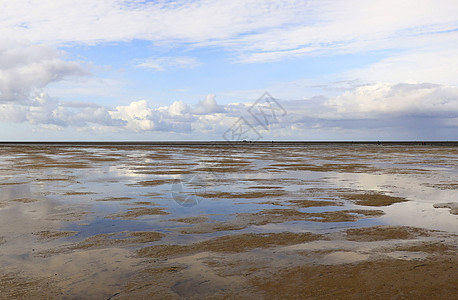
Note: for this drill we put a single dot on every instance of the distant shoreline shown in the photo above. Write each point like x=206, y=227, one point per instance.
x=227, y=143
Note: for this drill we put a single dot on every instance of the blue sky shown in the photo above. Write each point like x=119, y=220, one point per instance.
x=189, y=70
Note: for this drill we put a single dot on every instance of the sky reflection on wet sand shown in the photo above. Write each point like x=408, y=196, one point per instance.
x=91, y=190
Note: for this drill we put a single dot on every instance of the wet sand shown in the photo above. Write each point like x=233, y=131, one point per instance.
x=257, y=221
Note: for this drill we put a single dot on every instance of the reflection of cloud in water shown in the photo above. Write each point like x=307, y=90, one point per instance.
x=411, y=187
x=98, y=271
x=18, y=221
x=125, y=171
x=15, y=191
x=419, y=211
x=420, y=214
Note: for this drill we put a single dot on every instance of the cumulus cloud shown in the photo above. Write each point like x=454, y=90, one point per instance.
x=178, y=108
x=409, y=110
x=420, y=35
x=178, y=117
x=207, y=106
x=25, y=69
x=383, y=110
x=44, y=110
x=380, y=110
x=25, y=72
x=137, y=115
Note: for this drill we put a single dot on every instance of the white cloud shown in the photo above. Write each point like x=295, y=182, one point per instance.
x=382, y=110
x=26, y=69
x=163, y=63
x=259, y=30
x=91, y=22
x=386, y=100
x=406, y=110
x=207, y=106
x=138, y=116
x=341, y=27
x=44, y=110
x=418, y=37
x=178, y=108
x=417, y=65
x=421, y=35
x=11, y=112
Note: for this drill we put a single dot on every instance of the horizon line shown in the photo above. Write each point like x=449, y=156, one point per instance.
x=222, y=142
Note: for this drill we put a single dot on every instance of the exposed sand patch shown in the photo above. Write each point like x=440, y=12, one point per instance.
x=16, y=286
x=314, y=203
x=70, y=178
x=334, y=167
x=25, y=200
x=265, y=187
x=380, y=233
x=211, y=227
x=230, y=244
x=12, y=183
x=373, y=199
x=224, y=169
x=282, y=215
x=403, y=171
x=46, y=163
x=146, y=236
x=269, y=216
x=67, y=216
x=142, y=203
x=161, y=270
x=115, y=199
x=51, y=235
x=384, y=279
x=452, y=205
x=278, y=203
x=106, y=241
x=74, y=193
x=210, y=270
x=152, y=182
x=245, y=195
x=190, y=220
x=429, y=247
x=135, y=212
x=152, y=195
x=167, y=171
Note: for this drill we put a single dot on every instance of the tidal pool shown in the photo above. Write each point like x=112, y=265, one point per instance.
x=207, y=220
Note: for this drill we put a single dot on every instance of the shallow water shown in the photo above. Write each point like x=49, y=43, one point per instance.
x=92, y=190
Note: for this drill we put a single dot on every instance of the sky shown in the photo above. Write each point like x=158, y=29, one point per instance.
x=116, y=70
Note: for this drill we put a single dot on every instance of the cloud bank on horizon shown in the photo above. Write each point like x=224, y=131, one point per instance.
x=154, y=70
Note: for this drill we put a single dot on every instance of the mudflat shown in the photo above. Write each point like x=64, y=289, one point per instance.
x=258, y=221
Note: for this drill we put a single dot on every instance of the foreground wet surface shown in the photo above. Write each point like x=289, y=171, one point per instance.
x=248, y=221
